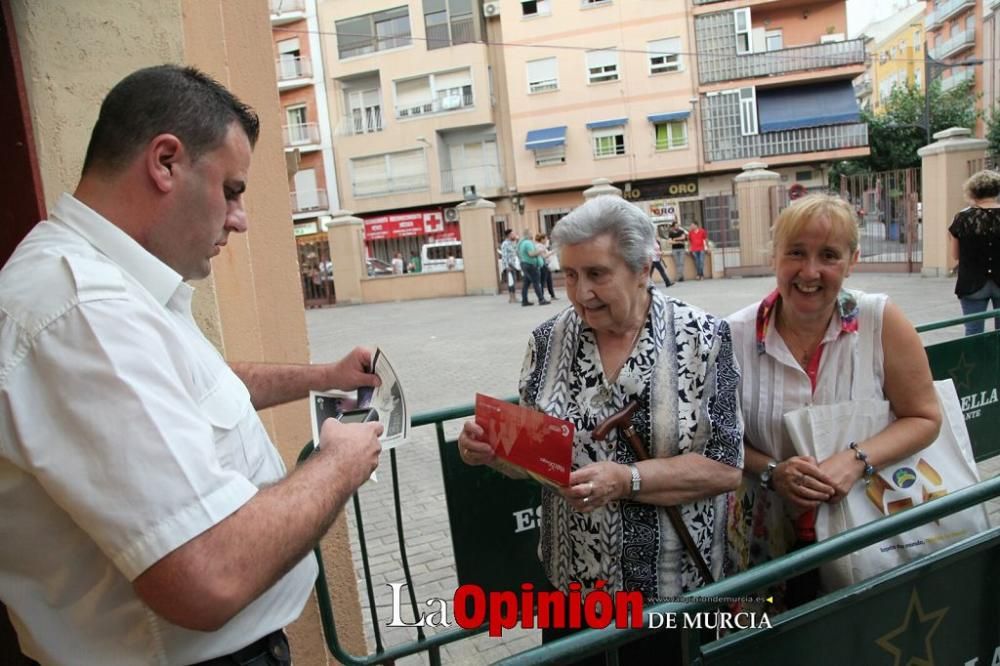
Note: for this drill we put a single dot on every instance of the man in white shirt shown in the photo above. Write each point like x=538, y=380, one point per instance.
x=145, y=516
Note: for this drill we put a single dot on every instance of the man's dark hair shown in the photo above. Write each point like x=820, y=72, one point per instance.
x=166, y=99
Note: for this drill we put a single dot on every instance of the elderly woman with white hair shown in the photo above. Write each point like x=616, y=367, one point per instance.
x=625, y=342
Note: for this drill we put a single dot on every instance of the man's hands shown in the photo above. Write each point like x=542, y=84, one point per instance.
x=352, y=371
x=354, y=448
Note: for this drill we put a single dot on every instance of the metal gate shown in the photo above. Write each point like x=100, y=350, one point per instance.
x=888, y=207
x=316, y=271
x=721, y=220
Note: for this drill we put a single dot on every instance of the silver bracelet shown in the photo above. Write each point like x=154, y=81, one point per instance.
x=863, y=457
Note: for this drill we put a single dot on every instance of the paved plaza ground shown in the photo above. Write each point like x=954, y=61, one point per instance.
x=445, y=350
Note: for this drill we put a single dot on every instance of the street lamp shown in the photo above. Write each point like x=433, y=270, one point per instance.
x=932, y=68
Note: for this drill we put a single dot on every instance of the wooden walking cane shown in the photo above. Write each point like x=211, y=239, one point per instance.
x=623, y=421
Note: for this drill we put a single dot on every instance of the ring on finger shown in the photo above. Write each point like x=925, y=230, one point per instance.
x=586, y=500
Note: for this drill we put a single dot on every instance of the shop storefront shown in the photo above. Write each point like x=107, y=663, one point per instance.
x=407, y=233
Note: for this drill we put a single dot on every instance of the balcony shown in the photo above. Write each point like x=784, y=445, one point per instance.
x=957, y=42
x=287, y=11
x=361, y=121
x=309, y=202
x=944, y=10
x=392, y=185
x=715, y=68
x=293, y=72
x=437, y=105
x=959, y=75
x=304, y=136
x=484, y=177
x=788, y=142
x=863, y=87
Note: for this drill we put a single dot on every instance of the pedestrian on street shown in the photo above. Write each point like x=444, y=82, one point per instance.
x=145, y=515
x=697, y=238
x=531, y=266
x=656, y=253
x=678, y=240
x=546, y=268
x=511, y=265
x=975, y=245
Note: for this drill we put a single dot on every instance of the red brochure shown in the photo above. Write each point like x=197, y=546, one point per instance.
x=540, y=444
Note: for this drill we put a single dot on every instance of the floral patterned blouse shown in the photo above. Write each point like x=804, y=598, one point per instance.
x=683, y=376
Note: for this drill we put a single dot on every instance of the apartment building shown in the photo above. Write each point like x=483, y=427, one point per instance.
x=414, y=117
x=307, y=138
x=599, y=89
x=954, y=28
x=895, y=48
x=774, y=84
x=991, y=56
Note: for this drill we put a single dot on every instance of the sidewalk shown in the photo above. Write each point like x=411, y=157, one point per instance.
x=445, y=350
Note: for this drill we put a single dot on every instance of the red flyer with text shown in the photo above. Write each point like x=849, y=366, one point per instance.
x=540, y=444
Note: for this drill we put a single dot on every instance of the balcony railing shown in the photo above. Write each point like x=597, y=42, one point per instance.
x=300, y=135
x=304, y=202
x=788, y=142
x=365, y=121
x=290, y=69
x=958, y=77
x=437, y=105
x=484, y=177
x=392, y=185
x=943, y=10
x=286, y=11
x=954, y=44
x=714, y=68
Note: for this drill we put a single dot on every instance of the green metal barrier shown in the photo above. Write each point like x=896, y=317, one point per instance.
x=503, y=559
x=973, y=363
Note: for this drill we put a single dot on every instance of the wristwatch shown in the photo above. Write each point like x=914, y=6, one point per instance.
x=765, y=476
x=636, y=479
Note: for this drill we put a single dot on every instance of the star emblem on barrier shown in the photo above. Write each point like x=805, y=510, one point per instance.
x=960, y=372
x=910, y=642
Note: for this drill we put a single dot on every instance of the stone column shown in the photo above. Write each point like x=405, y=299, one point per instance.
x=345, y=233
x=600, y=187
x=479, y=254
x=944, y=170
x=753, y=199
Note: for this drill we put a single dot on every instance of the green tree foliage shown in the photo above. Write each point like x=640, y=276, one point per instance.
x=897, y=130
x=993, y=132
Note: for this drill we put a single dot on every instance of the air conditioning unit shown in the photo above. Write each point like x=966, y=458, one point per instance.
x=451, y=215
x=491, y=9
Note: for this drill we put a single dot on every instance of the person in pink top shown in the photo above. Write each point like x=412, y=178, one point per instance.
x=696, y=238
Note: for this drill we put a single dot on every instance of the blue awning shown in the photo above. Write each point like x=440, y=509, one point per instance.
x=550, y=137
x=810, y=105
x=613, y=122
x=667, y=117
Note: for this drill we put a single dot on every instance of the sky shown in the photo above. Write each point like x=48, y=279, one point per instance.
x=862, y=12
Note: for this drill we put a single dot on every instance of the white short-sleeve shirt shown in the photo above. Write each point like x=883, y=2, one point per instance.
x=123, y=435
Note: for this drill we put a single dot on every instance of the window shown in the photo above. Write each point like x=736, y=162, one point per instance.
x=393, y=172
x=448, y=22
x=550, y=156
x=772, y=40
x=543, y=75
x=298, y=131
x=387, y=29
x=742, y=26
x=671, y=135
x=609, y=141
x=535, y=8
x=916, y=78
x=435, y=93
x=602, y=66
x=365, y=110
x=289, y=59
x=803, y=175
x=664, y=55
x=550, y=216
x=591, y=3
x=916, y=40
x=748, y=111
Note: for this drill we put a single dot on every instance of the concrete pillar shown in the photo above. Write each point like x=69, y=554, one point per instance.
x=944, y=170
x=600, y=187
x=753, y=199
x=346, y=235
x=479, y=254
